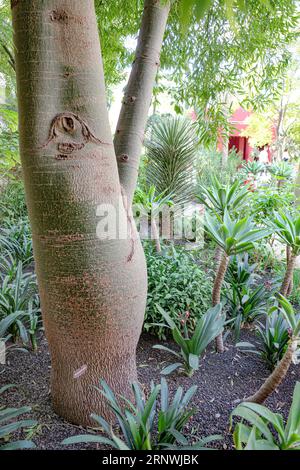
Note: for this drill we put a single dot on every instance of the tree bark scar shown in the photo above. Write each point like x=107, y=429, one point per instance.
x=131, y=224
x=14, y=3
x=70, y=123
x=123, y=157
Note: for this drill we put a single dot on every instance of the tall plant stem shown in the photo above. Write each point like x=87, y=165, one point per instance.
x=132, y=121
x=291, y=261
x=277, y=376
x=216, y=294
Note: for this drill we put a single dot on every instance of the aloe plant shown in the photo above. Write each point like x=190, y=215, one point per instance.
x=257, y=435
x=144, y=425
x=208, y=327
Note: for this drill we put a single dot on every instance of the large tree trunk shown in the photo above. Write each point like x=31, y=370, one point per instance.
x=132, y=121
x=216, y=294
x=277, y=376
x=93, y=290
x=288, y=277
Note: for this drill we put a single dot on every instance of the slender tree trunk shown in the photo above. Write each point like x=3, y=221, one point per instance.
x=93, y=290
x=218, y=257
x=288, y=257
x=288, y=274
x=155, y=234
x=216, y=294
x=224, y=157
x=277, y=376
x=132, y=121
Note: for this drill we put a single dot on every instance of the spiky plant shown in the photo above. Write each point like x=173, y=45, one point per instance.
x=171, y=150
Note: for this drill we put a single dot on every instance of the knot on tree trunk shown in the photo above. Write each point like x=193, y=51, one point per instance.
x=69, y=124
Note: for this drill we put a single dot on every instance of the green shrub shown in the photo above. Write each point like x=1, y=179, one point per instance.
x=177, y=284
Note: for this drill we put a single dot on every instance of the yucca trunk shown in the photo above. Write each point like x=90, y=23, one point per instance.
x=93, y=290
x=277, y=376
x=132, y=121
x=216, y=294
x=288, y=277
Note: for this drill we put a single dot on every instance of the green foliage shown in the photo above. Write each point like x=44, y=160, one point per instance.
x=208, y=327
x=253, y=168
x=16, y=303
x=143, y=425
x=171, y=149
x=259, y=433
x=12, y=202
x=177, y=284
x=219, y=197
x=281, y=324
x=244, y=304
x=16, y=240
x=209, y=163
x=233, y=236
x=214, y=60
x=149, y=202
x=267, y=199
x=9, y=425
x=282, y=170
x=287, y=228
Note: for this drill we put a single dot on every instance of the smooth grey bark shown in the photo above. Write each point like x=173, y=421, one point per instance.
x=132, y=121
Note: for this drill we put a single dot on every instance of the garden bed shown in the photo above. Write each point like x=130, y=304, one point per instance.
x=221, y=380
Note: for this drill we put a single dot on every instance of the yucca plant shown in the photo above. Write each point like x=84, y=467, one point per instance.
x=208, y=327
x=233, y=237
x=171, y=151
x=256, y=430
x=290, y=355
x=143, y=425
x=287, y=229
x=150, y=203
x=9, y=425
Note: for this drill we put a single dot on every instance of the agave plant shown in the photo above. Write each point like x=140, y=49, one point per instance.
x=208, y=327
x=290, y=355
x=143, y=426
x=287, y=229
x=257, y=434
x=171, y=150
x=9, y=425
x=233, y=237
